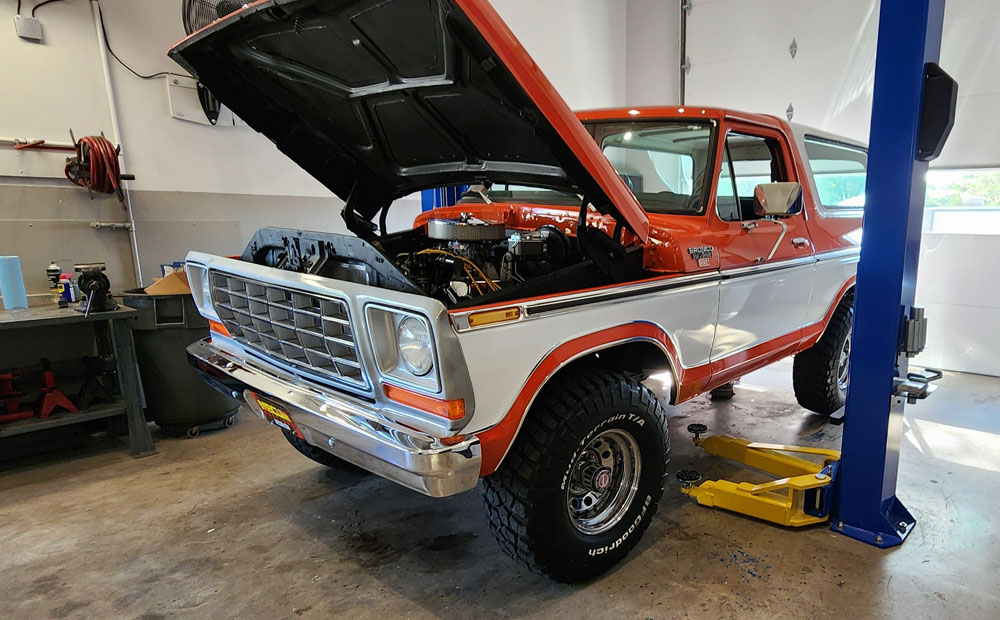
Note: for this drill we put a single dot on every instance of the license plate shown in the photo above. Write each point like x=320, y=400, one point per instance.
x=277, y=415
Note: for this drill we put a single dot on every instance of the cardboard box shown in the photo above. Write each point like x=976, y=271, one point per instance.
x=174, y=284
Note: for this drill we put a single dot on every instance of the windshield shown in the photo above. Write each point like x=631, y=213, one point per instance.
x=664, y=163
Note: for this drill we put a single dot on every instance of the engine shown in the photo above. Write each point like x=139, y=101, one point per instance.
x=468, y=257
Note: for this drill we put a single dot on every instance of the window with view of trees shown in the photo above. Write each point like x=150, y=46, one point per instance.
x=963, y=202
x=839, y=171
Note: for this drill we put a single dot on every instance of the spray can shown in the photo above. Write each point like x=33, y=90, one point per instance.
x=67, y=292
x=52, y=272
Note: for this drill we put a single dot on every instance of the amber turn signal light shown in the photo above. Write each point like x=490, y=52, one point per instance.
x=449, y=409
x=219, y=328
x=488, y=317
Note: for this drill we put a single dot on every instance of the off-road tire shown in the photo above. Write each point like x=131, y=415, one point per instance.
x=318, y=454
x=815, y=370
x=526, y=498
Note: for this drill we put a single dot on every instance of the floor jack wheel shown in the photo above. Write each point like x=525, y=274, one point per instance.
x=697, y=430
x=688, y=477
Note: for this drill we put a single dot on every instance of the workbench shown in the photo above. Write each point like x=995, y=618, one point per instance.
x=113, y=336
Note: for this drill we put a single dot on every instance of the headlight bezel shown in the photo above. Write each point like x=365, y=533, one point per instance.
x=198, y=276
x=382, y=324
x=426, y=345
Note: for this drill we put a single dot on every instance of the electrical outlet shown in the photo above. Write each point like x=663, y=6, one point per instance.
x=28, y=28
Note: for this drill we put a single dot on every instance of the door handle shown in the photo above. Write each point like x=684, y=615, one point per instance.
x=800, y=242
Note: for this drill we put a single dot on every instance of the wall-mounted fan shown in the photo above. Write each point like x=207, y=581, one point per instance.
x=199, y=13
x=196, y=15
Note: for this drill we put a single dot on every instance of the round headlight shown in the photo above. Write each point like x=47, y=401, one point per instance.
x=414, y=341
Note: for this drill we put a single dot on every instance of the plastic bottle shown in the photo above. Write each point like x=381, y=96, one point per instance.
x=12, y=283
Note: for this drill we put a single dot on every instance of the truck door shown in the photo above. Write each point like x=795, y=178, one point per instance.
x=767, y=271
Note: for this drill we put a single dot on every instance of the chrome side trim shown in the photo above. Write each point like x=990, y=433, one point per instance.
x=854, y=251
x=767, y=267
x=534, y=309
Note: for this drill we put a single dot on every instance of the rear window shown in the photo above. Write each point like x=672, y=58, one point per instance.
x=840, y=171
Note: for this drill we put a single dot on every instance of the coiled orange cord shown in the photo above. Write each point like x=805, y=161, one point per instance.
x=95, y=166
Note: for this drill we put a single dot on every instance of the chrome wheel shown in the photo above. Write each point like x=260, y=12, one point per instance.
x=603, y=481
x=844, y=364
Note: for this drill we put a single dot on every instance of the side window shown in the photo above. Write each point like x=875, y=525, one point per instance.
x=840, y=172
x=725, y=198
x=754, y=160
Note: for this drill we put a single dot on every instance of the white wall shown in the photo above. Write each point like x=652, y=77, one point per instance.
x=49, y=88
x=652, y=52
x=578, y=44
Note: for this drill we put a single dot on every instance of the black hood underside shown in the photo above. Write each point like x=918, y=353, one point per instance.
x=380, y=98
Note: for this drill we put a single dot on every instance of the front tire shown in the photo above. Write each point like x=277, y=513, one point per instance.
x=820, y=374
x=584, y=477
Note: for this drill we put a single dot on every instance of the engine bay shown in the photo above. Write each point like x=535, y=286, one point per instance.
x=461, y=262
x=467, y=258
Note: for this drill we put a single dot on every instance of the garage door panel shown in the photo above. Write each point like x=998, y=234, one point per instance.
x=730, y=29
x=959, y=269
x=750, y=84
x=960, y=339
x=969, y=52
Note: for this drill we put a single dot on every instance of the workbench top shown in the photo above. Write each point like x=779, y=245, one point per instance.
x=37, y=316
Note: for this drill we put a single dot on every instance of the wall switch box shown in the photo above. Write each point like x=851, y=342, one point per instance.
x=28, y=27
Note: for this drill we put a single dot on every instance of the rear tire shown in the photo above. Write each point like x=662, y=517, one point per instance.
x=318, y=454
x=584, y=477
x=820, y=374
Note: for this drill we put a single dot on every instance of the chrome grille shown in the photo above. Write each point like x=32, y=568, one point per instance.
x=305, y=330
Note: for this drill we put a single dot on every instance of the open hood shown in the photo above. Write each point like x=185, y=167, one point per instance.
x=381, y=98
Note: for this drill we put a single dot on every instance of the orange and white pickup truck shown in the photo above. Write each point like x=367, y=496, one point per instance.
x=506, y=338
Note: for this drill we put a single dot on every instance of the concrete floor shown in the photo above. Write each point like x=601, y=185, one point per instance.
x=235, y=524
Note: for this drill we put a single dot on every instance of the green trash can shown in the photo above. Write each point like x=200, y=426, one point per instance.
x=177, y=399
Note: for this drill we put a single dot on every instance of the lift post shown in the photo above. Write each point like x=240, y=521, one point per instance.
x=913, y=113
x=906, y=116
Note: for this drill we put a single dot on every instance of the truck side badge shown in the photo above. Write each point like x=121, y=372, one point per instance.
x=702, y=254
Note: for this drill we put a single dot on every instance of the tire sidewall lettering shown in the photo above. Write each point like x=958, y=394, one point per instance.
x=596, y=551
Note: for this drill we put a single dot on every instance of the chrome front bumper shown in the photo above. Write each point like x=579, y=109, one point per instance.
x=346, y=427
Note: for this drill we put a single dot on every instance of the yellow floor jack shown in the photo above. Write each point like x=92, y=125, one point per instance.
x=801, y=496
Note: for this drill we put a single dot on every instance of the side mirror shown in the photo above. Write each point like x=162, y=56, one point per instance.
x=777, y=199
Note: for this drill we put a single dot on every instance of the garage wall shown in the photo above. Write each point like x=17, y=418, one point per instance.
x=652, y=52
x=202, y=187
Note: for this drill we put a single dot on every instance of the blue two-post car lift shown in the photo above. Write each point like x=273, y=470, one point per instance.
x=912, y=114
